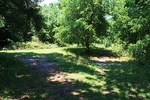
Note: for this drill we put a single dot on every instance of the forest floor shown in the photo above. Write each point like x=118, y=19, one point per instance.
x=61, y=74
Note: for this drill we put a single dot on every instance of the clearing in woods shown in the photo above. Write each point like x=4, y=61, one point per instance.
x=63, y=74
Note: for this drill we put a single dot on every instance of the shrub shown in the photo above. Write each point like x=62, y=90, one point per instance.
x=118, y=47
x=30, y=45
x=141, y=50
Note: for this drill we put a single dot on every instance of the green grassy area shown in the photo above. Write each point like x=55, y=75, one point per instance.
x=19, y=81
x=85, y=79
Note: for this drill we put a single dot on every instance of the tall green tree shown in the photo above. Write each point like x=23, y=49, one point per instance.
x=19, y=17
x=139, y=11
x=130, y=22
x=20, y=14
x=80, y=21
x=50, y=13
x=130, y=19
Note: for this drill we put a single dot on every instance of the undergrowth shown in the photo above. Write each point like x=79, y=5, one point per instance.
x=29, y=46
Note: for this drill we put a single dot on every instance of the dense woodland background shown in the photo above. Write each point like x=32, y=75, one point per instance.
x=123, y=25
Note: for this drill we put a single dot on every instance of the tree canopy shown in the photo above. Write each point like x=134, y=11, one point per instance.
x=19, y=17
x=50, y=13
x=130, y=19
x=80, y=21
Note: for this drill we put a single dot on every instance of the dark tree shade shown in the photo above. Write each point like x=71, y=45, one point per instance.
x=19, y=17
x=20, y=14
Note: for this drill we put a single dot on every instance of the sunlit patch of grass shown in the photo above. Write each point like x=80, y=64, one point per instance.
x=87, y=78
x=119, y=81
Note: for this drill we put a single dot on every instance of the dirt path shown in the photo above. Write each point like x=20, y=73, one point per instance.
x=107, y=61
x=42, y=63
x=53, y=74
x=51, y=69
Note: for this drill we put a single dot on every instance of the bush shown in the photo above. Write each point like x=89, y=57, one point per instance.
x=107, y=41
x=30, y=45
x=118, y=47
x=141, y=50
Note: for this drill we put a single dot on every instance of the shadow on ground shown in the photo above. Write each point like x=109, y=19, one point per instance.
x=128, y=82
x=95, y=52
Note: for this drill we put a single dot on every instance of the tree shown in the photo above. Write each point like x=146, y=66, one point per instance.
x=140, y=15
x=130, y=22
x=130, y=19
x=80, y=21
x=20, y=16
x=50, y=13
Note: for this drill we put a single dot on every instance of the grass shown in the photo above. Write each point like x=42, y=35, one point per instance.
x=18, y=80
x=84, y=79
